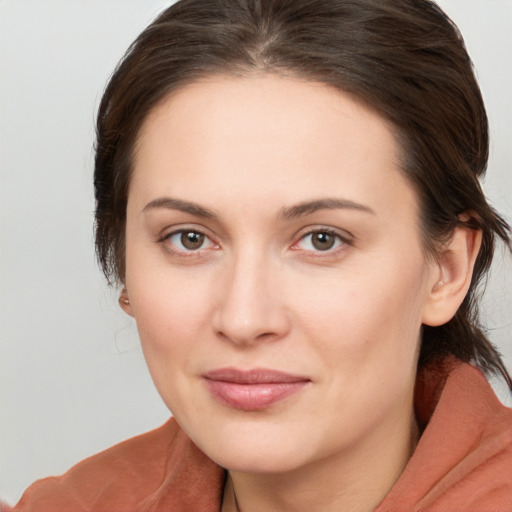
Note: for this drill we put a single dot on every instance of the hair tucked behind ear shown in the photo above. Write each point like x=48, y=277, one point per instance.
x=404, y=58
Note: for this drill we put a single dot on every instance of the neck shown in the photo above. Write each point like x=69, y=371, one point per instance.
x=356, y=480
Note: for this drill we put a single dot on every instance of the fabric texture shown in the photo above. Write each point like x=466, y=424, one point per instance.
x=463, y=461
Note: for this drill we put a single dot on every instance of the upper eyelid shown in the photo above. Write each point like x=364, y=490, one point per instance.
x=168, y=232
x=171, y=248
x=346, y=240
x=342, y=233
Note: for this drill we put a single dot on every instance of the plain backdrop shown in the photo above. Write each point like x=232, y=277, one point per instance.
x=72, y=376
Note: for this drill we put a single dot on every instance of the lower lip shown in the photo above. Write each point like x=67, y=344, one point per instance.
x=252, y=397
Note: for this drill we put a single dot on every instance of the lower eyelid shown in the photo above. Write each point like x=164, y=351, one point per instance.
x=166, y=240
x=340, y=242
x=340, y=239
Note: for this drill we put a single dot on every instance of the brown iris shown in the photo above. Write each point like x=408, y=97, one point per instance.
x=323, y=241
x=192, y=240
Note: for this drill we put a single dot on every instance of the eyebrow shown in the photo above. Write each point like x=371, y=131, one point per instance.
x=309, y=207
x=178, y=204
x=289, y=213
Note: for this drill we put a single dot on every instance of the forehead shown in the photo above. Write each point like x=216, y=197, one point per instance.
x=266, y=136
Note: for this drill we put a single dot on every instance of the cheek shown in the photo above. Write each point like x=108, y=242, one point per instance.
x=169, y=320
x=366, y=315
x=171, y=310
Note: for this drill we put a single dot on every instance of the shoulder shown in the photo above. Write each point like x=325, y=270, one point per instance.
x=114, y=480
x=463, y=460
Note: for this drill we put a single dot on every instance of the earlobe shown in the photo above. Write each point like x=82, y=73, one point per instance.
x=452, y=277
x=124, y=302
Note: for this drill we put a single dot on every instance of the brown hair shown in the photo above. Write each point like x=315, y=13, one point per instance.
x=404, y=58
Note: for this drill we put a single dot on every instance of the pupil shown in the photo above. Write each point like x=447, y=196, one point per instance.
x=323, y=241
x=192, y=240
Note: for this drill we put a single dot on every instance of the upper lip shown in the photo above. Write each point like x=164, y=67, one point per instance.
x=253, y=376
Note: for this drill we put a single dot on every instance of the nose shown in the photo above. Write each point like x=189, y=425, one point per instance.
x=251, y=306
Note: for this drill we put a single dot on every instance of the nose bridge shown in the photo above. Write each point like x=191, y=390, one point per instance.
x=250, y=306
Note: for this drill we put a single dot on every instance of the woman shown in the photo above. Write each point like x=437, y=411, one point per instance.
x=287, y=194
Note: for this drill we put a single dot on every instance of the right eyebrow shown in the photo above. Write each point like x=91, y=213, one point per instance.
x=171, y=203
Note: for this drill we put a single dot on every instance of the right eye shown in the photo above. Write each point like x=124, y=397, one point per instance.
x=188, y=240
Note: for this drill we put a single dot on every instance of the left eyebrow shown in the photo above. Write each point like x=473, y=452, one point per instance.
x=309, y=207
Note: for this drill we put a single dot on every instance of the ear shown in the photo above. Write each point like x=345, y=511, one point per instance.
x=452, y=276
x=124, y=302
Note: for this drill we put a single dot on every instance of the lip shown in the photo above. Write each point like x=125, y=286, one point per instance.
x=252, y=390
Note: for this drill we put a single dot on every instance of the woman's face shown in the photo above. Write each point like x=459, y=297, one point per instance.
x=275, y=270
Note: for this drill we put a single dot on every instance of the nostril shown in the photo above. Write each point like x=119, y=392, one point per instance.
x=265, y=335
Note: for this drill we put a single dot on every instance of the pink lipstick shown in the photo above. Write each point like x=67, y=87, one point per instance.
x=252, y=390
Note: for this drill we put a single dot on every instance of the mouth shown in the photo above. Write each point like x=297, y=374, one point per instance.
x=252, y=390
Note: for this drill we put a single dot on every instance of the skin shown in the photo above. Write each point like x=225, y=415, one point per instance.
x=259, y=293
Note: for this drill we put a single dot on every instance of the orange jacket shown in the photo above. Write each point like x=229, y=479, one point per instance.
x=463, y=462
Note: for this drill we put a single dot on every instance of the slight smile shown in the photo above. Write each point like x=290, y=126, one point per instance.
x=252, y=390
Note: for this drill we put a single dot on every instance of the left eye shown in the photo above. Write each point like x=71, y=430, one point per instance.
x=189, y=240
x=320, y=241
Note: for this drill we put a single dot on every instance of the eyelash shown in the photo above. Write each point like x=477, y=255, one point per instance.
x=167, y=240
x=340, y=242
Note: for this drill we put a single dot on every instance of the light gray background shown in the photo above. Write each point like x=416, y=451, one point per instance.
x=72, y=376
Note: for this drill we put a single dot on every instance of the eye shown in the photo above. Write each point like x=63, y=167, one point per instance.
x=320, y=240
x=188, y=240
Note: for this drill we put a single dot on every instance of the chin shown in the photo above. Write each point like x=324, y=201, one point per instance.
x=254, y=450
x=256, y=460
